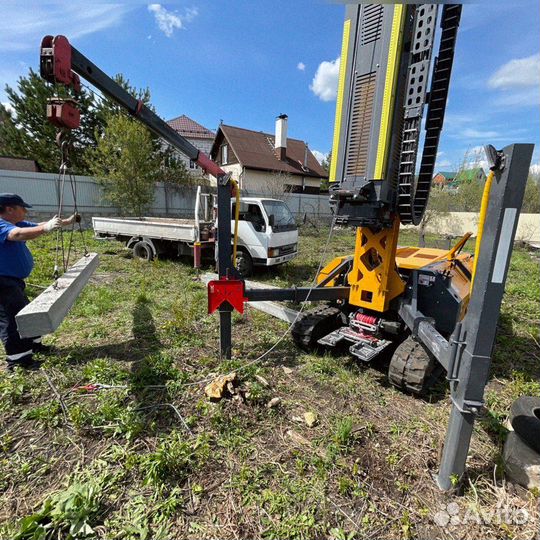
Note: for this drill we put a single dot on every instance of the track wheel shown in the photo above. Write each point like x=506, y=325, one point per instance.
x=314, y=324
x=412, y=368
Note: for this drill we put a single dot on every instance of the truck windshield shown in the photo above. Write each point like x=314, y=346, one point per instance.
x=283, y=219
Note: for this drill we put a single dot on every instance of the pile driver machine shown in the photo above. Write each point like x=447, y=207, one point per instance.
x=429, y=311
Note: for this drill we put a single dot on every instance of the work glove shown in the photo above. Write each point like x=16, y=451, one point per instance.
x=73, y=218
x=53, y=223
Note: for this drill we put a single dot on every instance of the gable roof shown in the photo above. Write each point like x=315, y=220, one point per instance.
x=255, y=150
x=189, y=128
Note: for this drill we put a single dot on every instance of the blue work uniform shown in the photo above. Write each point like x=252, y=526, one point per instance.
x=16, y=263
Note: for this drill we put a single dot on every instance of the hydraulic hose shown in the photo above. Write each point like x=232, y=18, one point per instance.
x=483, y=212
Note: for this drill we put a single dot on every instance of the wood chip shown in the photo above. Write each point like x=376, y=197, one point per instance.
x=274, y=402
x=262, y=380
x=219, y=386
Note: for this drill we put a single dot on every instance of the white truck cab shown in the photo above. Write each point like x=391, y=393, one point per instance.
x=267, y=233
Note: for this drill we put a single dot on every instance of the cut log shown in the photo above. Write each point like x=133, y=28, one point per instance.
x=45, y=313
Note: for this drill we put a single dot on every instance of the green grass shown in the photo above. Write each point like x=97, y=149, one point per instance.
x=155, y=458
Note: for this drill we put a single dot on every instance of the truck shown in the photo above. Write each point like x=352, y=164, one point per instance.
x=267, y=233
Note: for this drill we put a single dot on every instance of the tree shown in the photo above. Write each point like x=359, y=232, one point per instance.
x=326, y=162
x=126, y=164
x=531, y=198
x=27, y=134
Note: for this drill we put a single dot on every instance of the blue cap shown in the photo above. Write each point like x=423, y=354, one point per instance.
x=10, y=199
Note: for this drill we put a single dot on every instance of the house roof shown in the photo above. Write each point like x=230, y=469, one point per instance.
x=10, y=163
x=189, y=128
x=255, y=150
x=447, y=175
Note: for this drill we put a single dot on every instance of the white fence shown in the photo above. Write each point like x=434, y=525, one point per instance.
x=41, y=191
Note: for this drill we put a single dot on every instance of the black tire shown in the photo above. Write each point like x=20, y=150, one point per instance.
x=244, y=263
x=315, y=324
x=143, y=250
x=412, y=368
x=525, y=419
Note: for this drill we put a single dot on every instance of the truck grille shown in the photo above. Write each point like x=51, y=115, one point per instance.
x=285, y=250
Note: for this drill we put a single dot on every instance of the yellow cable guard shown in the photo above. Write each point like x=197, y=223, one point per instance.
x=483, y=212
x=339, y=100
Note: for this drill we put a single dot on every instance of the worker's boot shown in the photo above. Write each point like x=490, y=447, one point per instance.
x=41, y=348
x=28, y=363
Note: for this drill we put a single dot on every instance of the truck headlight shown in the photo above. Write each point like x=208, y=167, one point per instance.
x=273, y=252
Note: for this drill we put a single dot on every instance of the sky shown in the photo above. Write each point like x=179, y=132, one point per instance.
x=245, y=62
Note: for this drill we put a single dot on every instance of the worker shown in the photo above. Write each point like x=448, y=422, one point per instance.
x=16, y=263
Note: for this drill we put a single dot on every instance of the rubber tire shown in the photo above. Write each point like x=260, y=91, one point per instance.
x=315, y=324
x=143, y=250
x=244, y=264
x=412, y=368
x=525, y=420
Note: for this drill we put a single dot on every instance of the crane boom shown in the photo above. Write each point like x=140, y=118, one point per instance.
x=62, y=63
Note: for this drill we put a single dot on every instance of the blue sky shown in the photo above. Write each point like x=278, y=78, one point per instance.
x=244, y=62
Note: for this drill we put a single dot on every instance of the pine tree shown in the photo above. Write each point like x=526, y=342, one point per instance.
x=27, y=133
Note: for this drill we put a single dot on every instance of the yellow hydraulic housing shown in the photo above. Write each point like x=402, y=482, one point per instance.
x=374, y=279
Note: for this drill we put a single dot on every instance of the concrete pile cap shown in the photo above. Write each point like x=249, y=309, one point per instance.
x=47, y=311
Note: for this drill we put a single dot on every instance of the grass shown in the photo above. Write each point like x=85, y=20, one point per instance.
x=153, y=458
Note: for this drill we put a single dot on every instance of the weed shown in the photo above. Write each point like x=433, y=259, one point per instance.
x=71, y=514
x=12, y=388
x=46, y=415
x=173, y=459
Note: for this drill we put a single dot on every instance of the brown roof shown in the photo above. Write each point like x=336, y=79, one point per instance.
x=255, y=149
x=189, y=128
x=19, y=164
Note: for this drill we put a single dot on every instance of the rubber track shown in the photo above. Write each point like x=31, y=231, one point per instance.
x=411, y=367
x=303, y=328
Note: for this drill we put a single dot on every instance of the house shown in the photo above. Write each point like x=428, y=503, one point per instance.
x=453, y=179
x=266, y=164
x=443, y=178
x=199, y=136
x=9, y=163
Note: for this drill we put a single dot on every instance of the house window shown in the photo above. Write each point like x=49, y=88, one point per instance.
x=192, y=164
x=225, y=154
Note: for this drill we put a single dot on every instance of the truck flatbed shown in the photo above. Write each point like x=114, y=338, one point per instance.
x=175, y=229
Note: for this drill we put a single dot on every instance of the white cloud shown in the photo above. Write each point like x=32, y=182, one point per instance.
x=535, y=168
x=8, y=107
x=325, y=82
x=168, y=21
x=319, y=155
x=519, y=72
x=523, y=97
x=301, y=66
x=442, y=164
x=22, y=26
x=472, y=133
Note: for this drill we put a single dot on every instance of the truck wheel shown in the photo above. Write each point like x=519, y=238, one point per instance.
x=525, y=419
x=143, y=250
x=244, y=263
x=412, y=368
